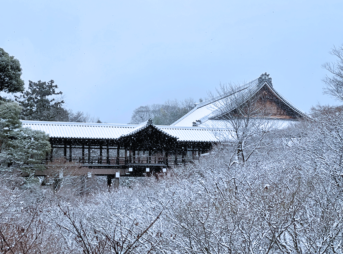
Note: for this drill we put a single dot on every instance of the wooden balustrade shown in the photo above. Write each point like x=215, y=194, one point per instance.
x=143, y=160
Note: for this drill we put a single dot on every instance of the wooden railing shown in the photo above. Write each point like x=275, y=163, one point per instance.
x=143, y=160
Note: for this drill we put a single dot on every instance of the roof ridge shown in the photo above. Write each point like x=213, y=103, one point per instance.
x=288, y=104
x=239, y=89
x=29, y=122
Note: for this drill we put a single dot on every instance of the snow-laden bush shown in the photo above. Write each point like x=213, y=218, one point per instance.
x=287, y=198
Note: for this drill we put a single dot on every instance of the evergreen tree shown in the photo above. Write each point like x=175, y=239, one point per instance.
x=9, y=120
x=10, y=72
x=38, y=102
x=22, y=147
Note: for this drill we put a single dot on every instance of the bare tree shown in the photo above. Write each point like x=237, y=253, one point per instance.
x=334, y=82
x=141, y=114
x=163, y=114
x=242, y=111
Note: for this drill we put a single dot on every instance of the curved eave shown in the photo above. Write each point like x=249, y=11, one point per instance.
x=287, y=103
x=144, y=127
x=83, y=138
x=197, y=141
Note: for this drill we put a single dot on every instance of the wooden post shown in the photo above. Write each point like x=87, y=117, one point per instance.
x=109, y=181
x=150, y=156
x=125, y=155
x=118, y=153
x=185, y=155
x=100, y=159
x=134, y=155
x=182, y=155
x=107, y=153
x=166, y=160
x=51, y=152
x=130, y=155
x=83, y=153
x=65, y=150
x=175, y=155
x=70, y=153
x=89, y=153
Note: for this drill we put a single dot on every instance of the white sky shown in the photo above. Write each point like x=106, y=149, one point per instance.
x=109, y=57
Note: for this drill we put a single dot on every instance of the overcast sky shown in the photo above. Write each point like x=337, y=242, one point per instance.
x=109, y=57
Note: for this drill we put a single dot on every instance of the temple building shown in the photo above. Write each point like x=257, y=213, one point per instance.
x=137, y=150
x=269, y=103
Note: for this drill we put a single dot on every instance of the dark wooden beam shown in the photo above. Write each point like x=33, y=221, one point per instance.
x=89, y=153
x=100, y=154
x=70, y=153
x=65, y=150
x=107, y=153
x=83, y=153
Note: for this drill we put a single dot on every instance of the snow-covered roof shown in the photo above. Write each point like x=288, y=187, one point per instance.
x=116, y=131
x=268, y=123
x=144, y=125
x=207, y=110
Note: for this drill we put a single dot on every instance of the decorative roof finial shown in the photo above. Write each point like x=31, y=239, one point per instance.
x=265, y=78
x=149, y=122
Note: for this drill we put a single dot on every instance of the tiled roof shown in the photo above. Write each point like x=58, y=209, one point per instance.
x=144, y=125
x=269, y=123
x=116, y=131
x=79, y=130
x=209, y=109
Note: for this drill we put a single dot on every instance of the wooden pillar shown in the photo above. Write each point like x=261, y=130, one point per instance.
x=185, y=154
x=166, y=157
x=107, y=153
x=175, y=155
x=118, y=153
x=109, y=180
x=51, y=152
x=150, y=156
x=65, y=150
x=193, y=153
x=83, y=153
x=199, y=152
x=70, y=153
x=130, y=155
x=134, y=156
x=125, y=155
x=89, y=153
x=100, y=159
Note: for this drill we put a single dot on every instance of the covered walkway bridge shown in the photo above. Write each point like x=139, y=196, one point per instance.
x=126, y=148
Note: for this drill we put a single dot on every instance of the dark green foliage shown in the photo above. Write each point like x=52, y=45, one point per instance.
x=21, y=147
x=39, y=104
x=10, y=72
